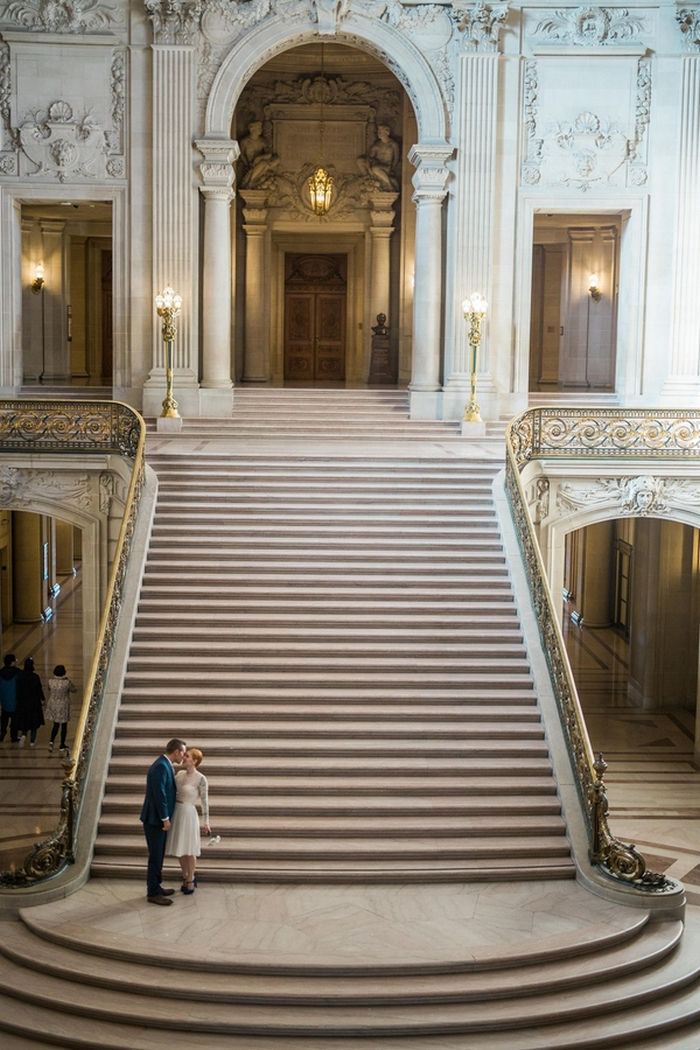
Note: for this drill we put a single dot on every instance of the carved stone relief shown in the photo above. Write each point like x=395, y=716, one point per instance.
x=631, y=496
x=20, y=487
x=480, y=25
x=61, y=146
x=279, y=134
x=174, y=21
x=590, y=151
x=590, y=27
x=68, y=16
x=689, y=24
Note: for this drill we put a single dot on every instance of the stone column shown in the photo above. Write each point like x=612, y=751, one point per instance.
x=381, y=230
x=682, y=386
x=30, y=588
x=216, y=391
x=257, y=326
x=476, y=133
x=175, y=204
x=429, y=181
x=65, y=559
x=56, y=358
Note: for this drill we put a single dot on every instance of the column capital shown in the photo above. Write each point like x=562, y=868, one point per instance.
x=217, y=167
x=430, y=178
x=480, y=25
x=255, y=210
x=688, y=19
x=174, y=21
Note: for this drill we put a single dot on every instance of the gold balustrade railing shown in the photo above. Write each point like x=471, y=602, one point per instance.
x=577, y=433
x=63, y=426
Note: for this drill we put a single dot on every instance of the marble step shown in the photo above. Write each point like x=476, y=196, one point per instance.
x=288, y=694
x=342, y=768
x=281, y=847
x=516, y=786
x=601, y=955
x=519, y=727
x=228, y=803
x=243, y=713
x=365, y=826
x=289, y=630
x=347, y=747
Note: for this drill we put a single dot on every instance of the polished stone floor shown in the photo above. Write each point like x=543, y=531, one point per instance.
x=653, y=788
x=30, y=778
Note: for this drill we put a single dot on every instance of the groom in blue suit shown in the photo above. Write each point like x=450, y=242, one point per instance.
x=156, y=814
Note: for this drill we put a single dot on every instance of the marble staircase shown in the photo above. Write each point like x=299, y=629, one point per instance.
x=351, y=665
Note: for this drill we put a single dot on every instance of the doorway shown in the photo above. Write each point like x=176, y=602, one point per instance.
x=573, y=322
x=67, y=317
x=315, y=313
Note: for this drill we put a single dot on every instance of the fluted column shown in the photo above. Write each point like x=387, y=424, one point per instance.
x=429, y=181
x=216, y=392
x=175, y=204
x=682, y=386
x=475, y=194
x=257, y=327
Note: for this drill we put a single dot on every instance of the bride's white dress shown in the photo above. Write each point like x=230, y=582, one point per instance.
x=184, y=839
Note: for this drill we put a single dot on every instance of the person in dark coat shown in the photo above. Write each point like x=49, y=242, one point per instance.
x=156, y=815
x=30, y=703
x=9, y=674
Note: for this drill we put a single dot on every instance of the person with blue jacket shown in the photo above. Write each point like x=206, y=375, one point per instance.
x=156, y=815
x=8, y=697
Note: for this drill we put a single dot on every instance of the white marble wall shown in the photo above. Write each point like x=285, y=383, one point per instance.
x=535, y=108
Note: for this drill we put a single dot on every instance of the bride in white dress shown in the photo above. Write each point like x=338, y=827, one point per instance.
x=184, y=840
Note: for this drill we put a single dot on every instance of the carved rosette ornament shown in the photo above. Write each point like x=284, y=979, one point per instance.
x=480, y=25
x=174, y=21
x=688, y=19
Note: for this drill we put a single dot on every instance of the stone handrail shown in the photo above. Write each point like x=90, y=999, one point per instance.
x=63, y=426
x=577, y=433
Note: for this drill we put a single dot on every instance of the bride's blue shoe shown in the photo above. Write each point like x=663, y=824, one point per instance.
x=183, y=888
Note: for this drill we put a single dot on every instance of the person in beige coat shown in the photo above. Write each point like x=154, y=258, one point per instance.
x=58, y=706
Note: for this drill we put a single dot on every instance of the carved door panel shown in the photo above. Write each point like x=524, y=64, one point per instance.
x=315, y=311
x=329, y=357
x=299, y=336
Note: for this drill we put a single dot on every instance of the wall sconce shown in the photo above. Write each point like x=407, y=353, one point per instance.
x=593, y=288
x=38, y=282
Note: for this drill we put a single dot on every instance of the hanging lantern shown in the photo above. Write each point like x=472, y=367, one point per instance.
x=320, y=190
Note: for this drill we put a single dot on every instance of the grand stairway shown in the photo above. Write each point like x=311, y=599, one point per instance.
x=333, y=623
x=337, y=633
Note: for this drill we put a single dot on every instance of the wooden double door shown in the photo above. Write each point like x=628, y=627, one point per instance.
x=315, y=312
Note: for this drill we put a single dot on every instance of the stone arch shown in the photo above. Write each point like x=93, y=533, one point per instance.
x=274, y=36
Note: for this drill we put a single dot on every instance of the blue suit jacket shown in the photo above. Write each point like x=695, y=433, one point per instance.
x=159, y=802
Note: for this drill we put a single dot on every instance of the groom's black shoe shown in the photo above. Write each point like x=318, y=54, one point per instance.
x=159, y=899
x=167, y=893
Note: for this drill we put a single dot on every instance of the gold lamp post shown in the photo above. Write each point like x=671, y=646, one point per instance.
x=474, y=309
x=168, y=306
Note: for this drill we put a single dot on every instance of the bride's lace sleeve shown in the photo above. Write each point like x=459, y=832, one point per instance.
x=204, y=798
